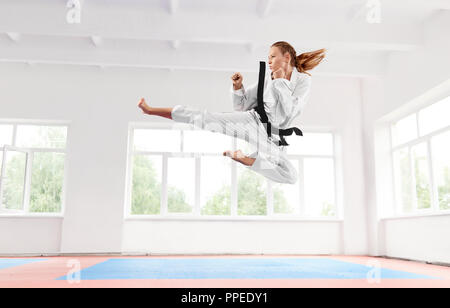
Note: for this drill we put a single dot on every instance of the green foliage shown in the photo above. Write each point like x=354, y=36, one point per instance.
x=146, y=193
x=219, y=204
x=46, y=182
x=280, y=203
x=422, y=186
x=13, y=185
x=251, y=194
x=176, y=201
x=47, y=173
x=328, y=209
x=405, y=180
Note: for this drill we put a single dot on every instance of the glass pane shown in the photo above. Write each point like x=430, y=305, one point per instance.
x=435, y=117
x=41, y=136
x=47, y=182
x=252, y=188
x=199, y=141
x=319, y=187
x=14, y=181
x=215, y=186
x=310, y=144
x=146, y=187
x=157, y=140
x=441, y=162
x=181, y=184
x=421, y=173
x=286, y=197
x=6, y=133
x=403, y=180
x=404, y=130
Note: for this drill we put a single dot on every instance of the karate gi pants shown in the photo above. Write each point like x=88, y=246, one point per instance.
x=271, y=160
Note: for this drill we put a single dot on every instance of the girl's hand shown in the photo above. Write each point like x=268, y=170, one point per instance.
x=237, y=80
x=279, y=73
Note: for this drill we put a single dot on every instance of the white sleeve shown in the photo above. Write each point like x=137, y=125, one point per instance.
x=245, y=99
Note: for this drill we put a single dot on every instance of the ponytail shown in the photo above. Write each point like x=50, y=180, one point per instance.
x=309, y=60
x=304, y=62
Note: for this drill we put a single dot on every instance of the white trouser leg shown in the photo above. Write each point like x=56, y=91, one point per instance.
x=270, y=161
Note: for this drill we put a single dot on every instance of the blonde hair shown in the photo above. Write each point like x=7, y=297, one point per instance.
x=304, y=62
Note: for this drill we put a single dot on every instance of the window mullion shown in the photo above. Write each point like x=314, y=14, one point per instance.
x=234, y=188
x=413, y=180
x=417, y=125
x=182, y=141
x=2, y=176
x=395, y=196
x=131, y=155
x=301, y=180
x=27, y=184
x=337, y=211
x=433, y=183
x=164, y=186
x=197, y=186
x=269, y=198
x=14, y=134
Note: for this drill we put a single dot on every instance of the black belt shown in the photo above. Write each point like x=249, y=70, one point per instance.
x=262, y=112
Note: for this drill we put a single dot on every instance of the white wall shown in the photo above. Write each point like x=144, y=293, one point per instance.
x=238, y=237
x=30, y=235
x=410, y=76
x=422, y=238
x=100, y=104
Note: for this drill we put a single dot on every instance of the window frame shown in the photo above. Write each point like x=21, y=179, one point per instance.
x=426, y=140
x=195, y=214
x=30, y=151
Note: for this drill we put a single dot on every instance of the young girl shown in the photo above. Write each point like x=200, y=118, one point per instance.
x=285, y=93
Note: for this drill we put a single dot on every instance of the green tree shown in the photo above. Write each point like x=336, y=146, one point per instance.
x=280, y=203
x=422, y=186
x=219, y=203
x=405, y=180
x=47, y=182
x=13, y=184
x=146, y=192
x=176, y=201
x=47, y=172
x=251, y=194
x=328, y=209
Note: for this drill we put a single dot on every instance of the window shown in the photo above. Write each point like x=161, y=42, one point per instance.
x=421, y=160
x=215, y=186
x=182, y=172
x=441, y=162
x=32, y=160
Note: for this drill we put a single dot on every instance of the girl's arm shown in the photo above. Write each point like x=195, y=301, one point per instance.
x=245, y=99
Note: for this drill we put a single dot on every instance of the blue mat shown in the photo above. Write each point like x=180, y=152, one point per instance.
x=7, y=263
x=286, y=268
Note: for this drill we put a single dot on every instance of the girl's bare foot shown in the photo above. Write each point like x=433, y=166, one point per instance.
x=240, y=157
x=143, y=105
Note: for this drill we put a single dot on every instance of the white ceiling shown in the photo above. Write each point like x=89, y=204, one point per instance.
x=211, y=34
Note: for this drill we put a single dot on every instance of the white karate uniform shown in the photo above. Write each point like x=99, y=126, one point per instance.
x=284, y=100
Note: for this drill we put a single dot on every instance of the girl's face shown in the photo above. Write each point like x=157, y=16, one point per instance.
x=278, y=60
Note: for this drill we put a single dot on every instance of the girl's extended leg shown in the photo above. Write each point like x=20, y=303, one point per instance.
x=162, y=112
x=278, y=169
x=268, y=160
